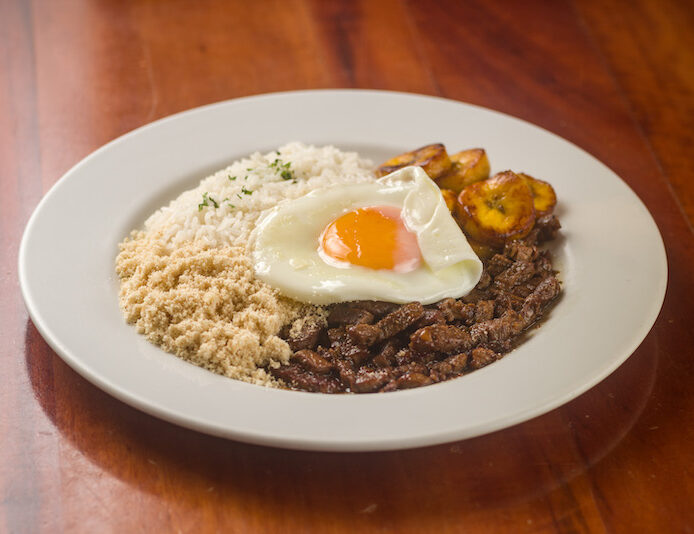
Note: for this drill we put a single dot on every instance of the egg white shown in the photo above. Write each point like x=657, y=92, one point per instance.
x=284, y=245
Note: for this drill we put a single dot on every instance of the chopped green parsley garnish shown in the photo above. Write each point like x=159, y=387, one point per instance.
x=283, y=169
x=232, y=178
x=206, y=200
x=246, y=191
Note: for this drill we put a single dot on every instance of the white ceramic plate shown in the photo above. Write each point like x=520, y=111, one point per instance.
x=611, y=258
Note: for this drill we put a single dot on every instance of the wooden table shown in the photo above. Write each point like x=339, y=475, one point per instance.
x=616, y=78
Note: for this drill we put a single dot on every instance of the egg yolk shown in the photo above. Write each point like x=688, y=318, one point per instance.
x=374, y=237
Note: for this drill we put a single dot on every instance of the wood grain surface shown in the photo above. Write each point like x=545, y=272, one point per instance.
x=616, y=78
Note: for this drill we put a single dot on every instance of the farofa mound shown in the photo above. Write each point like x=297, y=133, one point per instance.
x=203, y=304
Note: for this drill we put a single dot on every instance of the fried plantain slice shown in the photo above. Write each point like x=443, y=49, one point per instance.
x=544, y=197
x=469, y=166
x=450, y=197
x=496, y=210
x=483, y=251
x=432, y=158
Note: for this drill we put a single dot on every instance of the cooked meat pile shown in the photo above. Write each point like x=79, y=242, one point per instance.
x=373, y=346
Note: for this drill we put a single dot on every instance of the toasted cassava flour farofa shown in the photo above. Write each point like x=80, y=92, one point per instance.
x=187, y=283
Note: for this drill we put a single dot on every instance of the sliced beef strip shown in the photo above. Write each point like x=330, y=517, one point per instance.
x=365, y=335
x=375, y=307
x=498, y=264
x=547, y=228
x=299, y=378
x=345, y=372
x=456, y=310
x=408, y=375
x=342, y=314
x=371, y=380
x=405, y=316
x=481, y=356
x=357, y=354
x=429, y=317
x=445, y=339
x=520, y=251
x=448, y=368
x=484, y=310
x=306, y=338
x=400, y=319
x=311, y=360
x=499, y=330
x=543, y=264
x=405, y=356
x=336, y=335
x=516, y=274
x=440, y=371
x=543, y=294
x=412, y=379
x=458, y=362
x=485, y=280
x=507, y=301
x=386, y=355
x=478, y=294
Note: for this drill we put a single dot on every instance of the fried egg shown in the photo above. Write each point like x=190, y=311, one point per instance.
x=393, y=239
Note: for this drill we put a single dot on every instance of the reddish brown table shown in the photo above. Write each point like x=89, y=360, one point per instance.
x=616, y=78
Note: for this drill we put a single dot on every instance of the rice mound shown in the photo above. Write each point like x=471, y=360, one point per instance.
x=187, y=282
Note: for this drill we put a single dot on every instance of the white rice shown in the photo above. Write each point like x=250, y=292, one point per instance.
x=231, y=223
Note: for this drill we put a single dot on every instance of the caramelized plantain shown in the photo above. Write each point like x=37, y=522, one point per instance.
x=496, y=210
x=450, y=197
x=432, y=158
x=544, y=197
x=483, y=251
x=469, y=166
